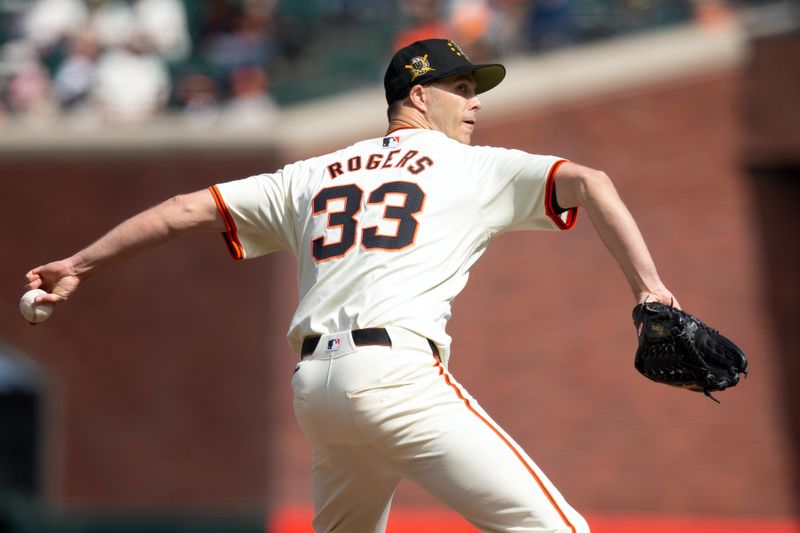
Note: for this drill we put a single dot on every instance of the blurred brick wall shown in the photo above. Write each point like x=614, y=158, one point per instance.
x=171, y=375
x=158, y=374
x=771, y=152
x=771, y=107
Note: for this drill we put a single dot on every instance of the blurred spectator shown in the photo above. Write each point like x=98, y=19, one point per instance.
x=506, y=34
x=712, y=14
x=47, y=22
x=75, y=75
x=551, y=25
x=164, y=23
x=198, y=95
x=240, y=36
x=251, y=106
x=114, y=60
x=425, y=21
x=132, y=83
x=259, y=25
x=30, y=95
x=469, y=20
x=113, y=22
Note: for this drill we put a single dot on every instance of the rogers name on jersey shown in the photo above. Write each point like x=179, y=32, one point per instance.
x=382, y=160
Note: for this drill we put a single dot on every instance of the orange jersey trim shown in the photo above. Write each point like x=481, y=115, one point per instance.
x=550, y=187
x=229, y=235
x=443, y=372
x=398, y=128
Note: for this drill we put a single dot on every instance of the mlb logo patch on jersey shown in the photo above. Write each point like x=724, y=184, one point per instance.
x=391, y=142
x=333, y=344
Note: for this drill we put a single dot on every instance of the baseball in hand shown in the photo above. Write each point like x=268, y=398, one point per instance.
x=33, y=312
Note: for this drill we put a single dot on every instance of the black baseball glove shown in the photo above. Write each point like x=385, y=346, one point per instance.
x=678, y=349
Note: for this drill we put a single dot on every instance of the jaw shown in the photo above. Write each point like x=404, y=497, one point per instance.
x=466, y=129
x=460, y=131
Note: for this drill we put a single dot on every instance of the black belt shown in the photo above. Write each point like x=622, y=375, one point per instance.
x=361, y=337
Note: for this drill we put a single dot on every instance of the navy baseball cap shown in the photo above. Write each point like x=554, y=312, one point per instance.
x=433, y=59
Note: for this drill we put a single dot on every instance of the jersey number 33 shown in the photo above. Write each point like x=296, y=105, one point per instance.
x=346, y=218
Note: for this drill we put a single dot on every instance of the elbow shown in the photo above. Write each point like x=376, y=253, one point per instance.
x=593, y=180
x=174, y=212
x=584, y=187
x=594, y=184
x=182, y=214
x=180, y=205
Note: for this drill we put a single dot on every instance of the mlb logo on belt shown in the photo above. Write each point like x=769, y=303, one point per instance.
x=333, y=345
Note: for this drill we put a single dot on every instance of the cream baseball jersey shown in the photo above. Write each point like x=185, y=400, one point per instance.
x=385, y=231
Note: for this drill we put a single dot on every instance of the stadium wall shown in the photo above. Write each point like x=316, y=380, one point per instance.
x=169, y=379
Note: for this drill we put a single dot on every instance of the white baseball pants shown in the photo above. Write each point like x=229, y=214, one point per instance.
x=375, y=414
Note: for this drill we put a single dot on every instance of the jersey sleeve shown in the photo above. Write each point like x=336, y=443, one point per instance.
x=256, y=211
x=516, y=191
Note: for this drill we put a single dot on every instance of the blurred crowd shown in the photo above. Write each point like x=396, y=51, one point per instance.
x=214, y=63
x=90, y=62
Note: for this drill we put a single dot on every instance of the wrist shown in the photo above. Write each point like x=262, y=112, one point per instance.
x=660, y=295
x=78, y=267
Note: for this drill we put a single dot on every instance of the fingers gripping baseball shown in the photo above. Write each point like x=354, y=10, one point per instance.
x=57, y=279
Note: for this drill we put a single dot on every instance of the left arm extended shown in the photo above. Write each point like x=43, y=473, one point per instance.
x=579, y=186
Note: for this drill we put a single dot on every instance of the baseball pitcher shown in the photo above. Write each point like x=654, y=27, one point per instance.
x=385, y=233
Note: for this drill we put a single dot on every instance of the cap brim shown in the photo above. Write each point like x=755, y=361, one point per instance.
x=486, y=76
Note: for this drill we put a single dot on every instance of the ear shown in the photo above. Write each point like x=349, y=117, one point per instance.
x=418, y=98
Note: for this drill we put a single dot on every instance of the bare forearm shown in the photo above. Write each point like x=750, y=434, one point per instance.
x=620, y=234
x=146, y=231
x=595, y=193
x=137, y=235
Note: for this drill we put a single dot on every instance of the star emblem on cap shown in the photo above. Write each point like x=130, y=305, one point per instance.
x=457, y=50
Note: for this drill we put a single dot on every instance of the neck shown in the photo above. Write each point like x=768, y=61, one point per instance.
x=408, y=119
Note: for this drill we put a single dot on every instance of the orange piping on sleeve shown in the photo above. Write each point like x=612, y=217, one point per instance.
x=229, y=235
x=572, y=213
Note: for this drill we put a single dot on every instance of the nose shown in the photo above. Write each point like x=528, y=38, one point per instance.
x=475, y=104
